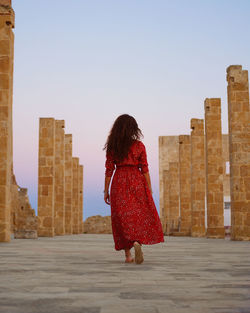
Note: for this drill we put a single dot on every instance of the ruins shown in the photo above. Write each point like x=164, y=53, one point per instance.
x=205, y=185
x=60, y=182
x=195, y=182
x=55, y=173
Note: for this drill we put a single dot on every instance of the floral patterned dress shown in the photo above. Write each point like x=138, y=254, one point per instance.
x=133, y=212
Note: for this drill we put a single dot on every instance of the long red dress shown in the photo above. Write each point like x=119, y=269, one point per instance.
x=133, y=212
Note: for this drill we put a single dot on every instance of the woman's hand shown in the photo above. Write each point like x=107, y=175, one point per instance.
x=106, y=197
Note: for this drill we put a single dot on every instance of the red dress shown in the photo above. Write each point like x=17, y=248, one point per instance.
x=133, y=212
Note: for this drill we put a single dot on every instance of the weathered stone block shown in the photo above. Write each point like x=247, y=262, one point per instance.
x=5, y=2
x=24, y=220
x=25, y=234
x=98, y=225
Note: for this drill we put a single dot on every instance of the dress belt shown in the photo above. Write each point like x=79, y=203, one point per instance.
x=127, y=165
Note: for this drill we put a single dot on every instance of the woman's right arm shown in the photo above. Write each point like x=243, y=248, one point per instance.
x=110, y=166
x=106, y=190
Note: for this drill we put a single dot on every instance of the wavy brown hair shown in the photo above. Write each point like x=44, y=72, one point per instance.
x=123, y=133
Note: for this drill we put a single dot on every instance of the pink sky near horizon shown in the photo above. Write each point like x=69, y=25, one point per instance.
x=157, y=62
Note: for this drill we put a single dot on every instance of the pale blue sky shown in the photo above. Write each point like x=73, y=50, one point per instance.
x=89, y=61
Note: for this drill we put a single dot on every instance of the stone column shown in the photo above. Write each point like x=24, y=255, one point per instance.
x=197, y=178
x=80, y=201
x=174, y=192
x=59, y=211
x=239, y=151
x=68, y=184
x=6, y=90
x=185, y=183
x=46, y=177
x=75, y=196
x=168, y=152
x=165, y=212
x=225, y=160
x=214, y=169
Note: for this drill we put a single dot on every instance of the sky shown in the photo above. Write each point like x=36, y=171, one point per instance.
x=88, y=61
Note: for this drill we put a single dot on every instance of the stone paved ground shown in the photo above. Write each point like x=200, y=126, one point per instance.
x=83, y=274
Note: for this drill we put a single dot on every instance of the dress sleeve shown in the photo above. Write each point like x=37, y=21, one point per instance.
x=143, y=163
x=109, y=165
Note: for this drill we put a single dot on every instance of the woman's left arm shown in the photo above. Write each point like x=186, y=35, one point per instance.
x=147, y=176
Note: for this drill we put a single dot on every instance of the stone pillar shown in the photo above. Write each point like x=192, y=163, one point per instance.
x=75, y=196
x=6, y=91
x=168, y=152
x=68, y=184
x=197, y=178
x=174, y=192
x=80, y=201
x=214, y=169
x=165, y=212
x=59, y=209
x=185, y=183
x=225, y=160
x=46, y=177
x=239, y=151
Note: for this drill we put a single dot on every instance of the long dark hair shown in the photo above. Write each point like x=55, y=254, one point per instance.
x=123, y=133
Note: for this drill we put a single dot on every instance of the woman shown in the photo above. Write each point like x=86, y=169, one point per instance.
x=135, y=220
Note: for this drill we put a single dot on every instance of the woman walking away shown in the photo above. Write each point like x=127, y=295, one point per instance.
x=135, y=220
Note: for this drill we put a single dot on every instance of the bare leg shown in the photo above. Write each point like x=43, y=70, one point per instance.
x=128, y=256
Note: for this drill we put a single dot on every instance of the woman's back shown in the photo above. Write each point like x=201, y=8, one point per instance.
x=136, y=157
